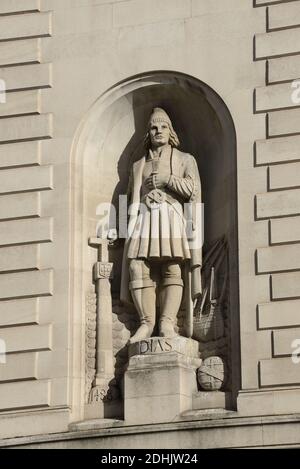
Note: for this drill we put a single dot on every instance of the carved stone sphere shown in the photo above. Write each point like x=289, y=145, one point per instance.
x=211, y=374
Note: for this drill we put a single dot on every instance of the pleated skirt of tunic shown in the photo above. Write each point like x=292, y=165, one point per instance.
x=160, y=232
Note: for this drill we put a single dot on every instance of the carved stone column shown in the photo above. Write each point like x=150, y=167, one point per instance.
x=102, y=273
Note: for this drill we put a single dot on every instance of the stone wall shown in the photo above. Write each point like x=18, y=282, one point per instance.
x=57, y=57
x=276, y=212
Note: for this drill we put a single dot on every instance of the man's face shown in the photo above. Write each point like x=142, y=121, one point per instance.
x=159, y=134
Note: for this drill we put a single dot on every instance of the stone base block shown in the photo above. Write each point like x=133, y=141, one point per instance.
x=269, y=401
x=211, y=400
x=159, y=386
x=104, y=410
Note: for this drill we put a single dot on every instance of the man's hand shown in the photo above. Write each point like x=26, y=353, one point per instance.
x=157, y=181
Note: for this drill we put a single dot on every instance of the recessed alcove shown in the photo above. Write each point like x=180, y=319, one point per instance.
x=110, y=138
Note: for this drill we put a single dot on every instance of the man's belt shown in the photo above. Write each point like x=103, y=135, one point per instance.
x=155, y=198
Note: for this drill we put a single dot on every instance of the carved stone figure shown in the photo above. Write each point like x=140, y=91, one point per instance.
x=162, y=254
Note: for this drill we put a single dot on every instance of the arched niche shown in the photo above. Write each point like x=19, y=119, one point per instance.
x=110, y=137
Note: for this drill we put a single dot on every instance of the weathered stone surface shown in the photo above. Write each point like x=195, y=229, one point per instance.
x=286, y=341
x=284, y=68
x=21, y=26
x=38, y=230
x=25, y=128
x=20, y=312
x=277, y=43
x=200, y=8
x=159, y=387
x=26, y=338
x=56, y=421
x=18, y=103
x=26, y=179
x=210, y=41
x=153, y=35
x=274, y=97
x=267, y=2
x=209, y=400
x=19, y=205
x=17, y=367
x=278, y=314
x=269, y=402
x=31, y=76
x=279, y=203
x=14, y=6
x=284, y=15
x=282, y=149
x=20, y=154
x=285, y=230
x=87, y=20
x=284, y=176
x=279, y=371
x=24, y=394
x=141, y=11
x=284, y=122
x=22, y=284
x=285, y=285
x=25, y=51
x=19, y=258
x=278, y=258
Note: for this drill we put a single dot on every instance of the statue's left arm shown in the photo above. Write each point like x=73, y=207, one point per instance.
x=186, y=186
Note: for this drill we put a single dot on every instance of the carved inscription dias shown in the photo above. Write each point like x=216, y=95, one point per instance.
x=164, y=345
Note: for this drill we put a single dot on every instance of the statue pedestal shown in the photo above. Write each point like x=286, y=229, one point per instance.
x=160, y=379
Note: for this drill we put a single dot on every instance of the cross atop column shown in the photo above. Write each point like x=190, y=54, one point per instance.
x=102, y=245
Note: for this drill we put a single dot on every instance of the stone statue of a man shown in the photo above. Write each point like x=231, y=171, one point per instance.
x=160, y=259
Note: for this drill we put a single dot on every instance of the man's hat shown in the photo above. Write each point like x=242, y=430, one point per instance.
x=159, y=115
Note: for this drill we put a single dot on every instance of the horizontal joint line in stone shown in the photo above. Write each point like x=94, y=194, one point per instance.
x=277, y=56
x=18, y=64
x=271, y=328
x=276, y=109
x=281, y=135
x=22, y=12
x=26, y=165
x=281, y=271
x=25, y=217
x=279, y=189
x=28, y=88
x=29, y=350
x=283, y=28
x=39, y=406
x=24, y=191
x=271, y=163
x=29, y=139
x=25, y=37
x=17, y=271
x=22, y=114
x=43, y=241
x=37, y=295
x=21, y=324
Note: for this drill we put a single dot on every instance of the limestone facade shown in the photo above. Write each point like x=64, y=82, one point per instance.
x=73, y=72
